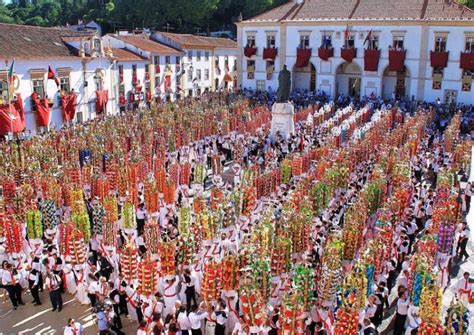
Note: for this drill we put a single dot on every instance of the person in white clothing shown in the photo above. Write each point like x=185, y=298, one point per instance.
x=183, y=321
x=195, y=319
x=464, y=288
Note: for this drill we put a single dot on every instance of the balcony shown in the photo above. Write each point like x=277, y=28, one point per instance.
x=250, y=51
x=396, y=60
x=348, y=54
x=371, y=60
x=439, y=58
x=270, y=53
x=325, y=53
x=302, y=57
x=467, y=61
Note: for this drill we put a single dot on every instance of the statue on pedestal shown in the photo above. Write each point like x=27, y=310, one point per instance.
x=284, y=85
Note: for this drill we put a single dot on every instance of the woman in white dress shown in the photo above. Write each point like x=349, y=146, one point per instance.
x=81, y=285
x=70, y=279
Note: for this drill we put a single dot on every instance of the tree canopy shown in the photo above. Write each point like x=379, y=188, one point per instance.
x=181, y=15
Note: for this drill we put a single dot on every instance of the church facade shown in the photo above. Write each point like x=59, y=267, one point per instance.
x=422, y=49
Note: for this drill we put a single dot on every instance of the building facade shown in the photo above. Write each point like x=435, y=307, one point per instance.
x=59, y=75
x=208, y=64
x=420, y=49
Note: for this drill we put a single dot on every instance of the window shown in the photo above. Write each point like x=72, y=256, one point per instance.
x=190, y=75
x=226, y=63
x=270, y=68
x=168, y=60
x=206, y=74
x=304, y=41
x=374, y=43
x=250, y=69
x=134, y=74
x=260, y=85
x=440, y=44
x=178, y=64
x=350, y=41
x=99, y=82
x=97, y=46
x=198, y=75
x=206, y=56
x=198, y=56
x=38, y=87
x=64, y=84
x=470, y=44
x=271, y=41
x=190, y=54
x=122, y=89
x=398, y=42
x=327, y=41
x=156, y=60
x=4, y=91
x=250, y=41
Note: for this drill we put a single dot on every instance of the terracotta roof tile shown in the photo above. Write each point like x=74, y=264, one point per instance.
x=143, y=42
x=126, y=55
x=366, y=10
x=31, y=42
x=193, y=40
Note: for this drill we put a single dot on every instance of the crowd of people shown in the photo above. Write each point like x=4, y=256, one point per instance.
x=179, y=303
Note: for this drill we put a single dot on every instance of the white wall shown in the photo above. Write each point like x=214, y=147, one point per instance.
x=416, y=37
x=85, y=95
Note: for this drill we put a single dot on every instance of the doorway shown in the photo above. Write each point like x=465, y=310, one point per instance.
x=304, y=78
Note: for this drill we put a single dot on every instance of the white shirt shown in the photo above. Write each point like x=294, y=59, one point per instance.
x=7, y=278
x=183, y=321
x=195, y=319
x=402, y=306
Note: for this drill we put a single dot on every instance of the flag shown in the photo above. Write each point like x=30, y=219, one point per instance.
x=368, y=37
x=11, y=71
x=52, y=75
x=346, y=34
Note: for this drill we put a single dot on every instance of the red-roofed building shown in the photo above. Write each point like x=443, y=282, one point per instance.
x=407, y=48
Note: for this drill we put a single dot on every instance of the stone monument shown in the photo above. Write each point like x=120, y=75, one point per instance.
x=282, y=110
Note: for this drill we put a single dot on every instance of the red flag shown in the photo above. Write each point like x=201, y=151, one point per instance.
x=346, y=34
x=52, y=75
x=368, y=37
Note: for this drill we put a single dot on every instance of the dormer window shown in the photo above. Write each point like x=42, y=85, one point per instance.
x=304, y=42
x=440, y=44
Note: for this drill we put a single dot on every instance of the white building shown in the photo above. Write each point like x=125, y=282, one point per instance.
x=81, y=66
x=146, y=63
x=408, y=48
x=209, y=63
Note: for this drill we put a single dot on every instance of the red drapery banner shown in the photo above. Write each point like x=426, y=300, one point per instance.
x=325, y=54
x=167, y=82
x=371, y=60
x=396, y=60
x=302, y=57
x=43, y=111
x=250, y=51
x=439, y=59
x=348, y=54
x=270, y=53
x=102, y=96
x=467, y=61
x=12, y=116
x=68, y=105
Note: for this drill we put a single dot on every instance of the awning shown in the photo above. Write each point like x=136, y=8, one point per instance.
x=371, y=60
x=302, y=57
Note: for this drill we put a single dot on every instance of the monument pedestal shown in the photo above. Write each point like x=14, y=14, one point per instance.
x=282, y=119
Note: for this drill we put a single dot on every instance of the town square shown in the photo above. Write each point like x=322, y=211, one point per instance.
x=236, y=167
